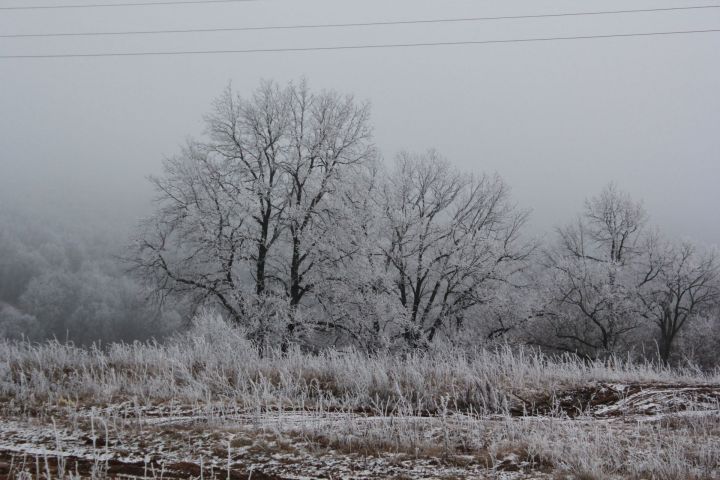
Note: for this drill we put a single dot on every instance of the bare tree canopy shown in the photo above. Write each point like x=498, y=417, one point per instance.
x=449, y=238
x=684, y=285
x=608, y=275
x=250, y=203
x=284, y=200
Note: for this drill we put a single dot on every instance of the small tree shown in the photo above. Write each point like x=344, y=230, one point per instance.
x=614, y=223
x=589, y=306
x=590, y=282
x=684, y=286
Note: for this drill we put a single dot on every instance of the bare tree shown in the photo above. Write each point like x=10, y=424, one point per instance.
x=589, y=282
x=329, y=135
x=448, y=238
x=589, y=305
x=684, y=286
x=249, y=139
x=255, y=199
x=196, y=240
x=614, y=222
x=220, y=204
x=356, y=294
x=608, y=273
x=608, y=230
x=699, y=341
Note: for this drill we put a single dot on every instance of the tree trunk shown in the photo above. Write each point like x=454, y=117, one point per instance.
x=260, y=268
x=665, y=347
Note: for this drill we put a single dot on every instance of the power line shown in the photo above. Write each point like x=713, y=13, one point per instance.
x=130, y=4
x=359, y=47
x=359, y=24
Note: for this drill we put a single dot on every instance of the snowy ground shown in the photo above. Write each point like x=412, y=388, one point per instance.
x=648, y=427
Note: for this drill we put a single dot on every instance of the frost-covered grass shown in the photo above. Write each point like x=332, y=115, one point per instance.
x=214, y=362
x=208, y=398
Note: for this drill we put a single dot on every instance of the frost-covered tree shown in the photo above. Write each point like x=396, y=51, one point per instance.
x=614, y=224
x=683, y=283
x=356, y=292
x=608, y=274
x=16, y=325
x=250, y=212
x=699, y=340
x=329, y=143
x=448, y=239
x=589, y=280
x=589, y=306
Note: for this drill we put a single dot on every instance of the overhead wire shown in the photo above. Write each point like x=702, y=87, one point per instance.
x=359, y=47
x=124, y=4
x=358, y=24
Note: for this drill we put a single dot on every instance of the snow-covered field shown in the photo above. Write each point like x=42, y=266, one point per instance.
x=207, y=406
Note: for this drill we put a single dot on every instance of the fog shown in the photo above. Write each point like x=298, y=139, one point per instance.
x=556, y=119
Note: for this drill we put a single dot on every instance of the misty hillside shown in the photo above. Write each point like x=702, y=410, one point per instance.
x=67, y=282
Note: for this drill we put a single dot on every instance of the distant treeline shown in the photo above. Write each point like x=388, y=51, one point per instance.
x=66, y=282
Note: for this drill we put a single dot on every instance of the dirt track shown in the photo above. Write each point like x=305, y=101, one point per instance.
x=181, y=442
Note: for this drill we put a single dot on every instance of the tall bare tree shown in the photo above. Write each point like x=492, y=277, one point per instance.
x=329, y=136
x=252, y=202
x=248, y=140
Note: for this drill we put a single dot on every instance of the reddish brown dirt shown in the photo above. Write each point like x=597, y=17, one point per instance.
x=10, y=465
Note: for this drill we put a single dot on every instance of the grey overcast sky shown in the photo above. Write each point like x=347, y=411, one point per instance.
x=556, y=119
